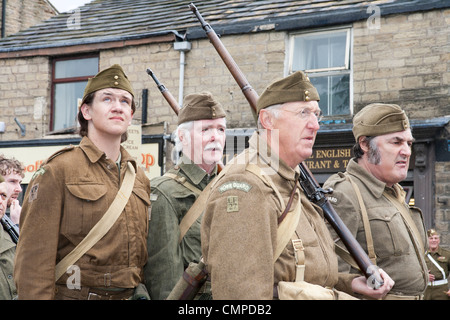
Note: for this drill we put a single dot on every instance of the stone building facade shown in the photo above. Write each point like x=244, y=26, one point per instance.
x=404, y=59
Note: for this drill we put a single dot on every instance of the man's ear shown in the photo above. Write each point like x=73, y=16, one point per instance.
x=85, y=110
x=363, y=144
x=266, y=119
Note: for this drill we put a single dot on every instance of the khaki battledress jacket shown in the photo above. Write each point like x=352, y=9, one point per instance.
x=239, y=231
x=393, y=245
x=171, y=200
x=67, y=196
x=7, y=252
x=435, y=290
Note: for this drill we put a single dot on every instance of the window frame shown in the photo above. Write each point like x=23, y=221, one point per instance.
x=323, y=72
x=66, y=80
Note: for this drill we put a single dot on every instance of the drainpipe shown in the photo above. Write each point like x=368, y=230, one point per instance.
x=3, y=18
x=183, y=47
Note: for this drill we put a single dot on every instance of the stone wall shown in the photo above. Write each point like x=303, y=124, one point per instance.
x=406, y=61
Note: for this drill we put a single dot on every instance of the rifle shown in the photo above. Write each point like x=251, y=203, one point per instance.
x=309, y=185
x=165, y=92
x=11, y=228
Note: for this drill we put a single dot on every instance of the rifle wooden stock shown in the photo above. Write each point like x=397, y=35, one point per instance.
x=309, y=184
x=165, y=92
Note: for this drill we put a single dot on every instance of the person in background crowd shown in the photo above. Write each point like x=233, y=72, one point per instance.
x=7, y=252
x=438, y=262
x=13, y=172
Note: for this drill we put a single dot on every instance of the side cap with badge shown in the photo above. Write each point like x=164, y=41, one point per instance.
x=378, y=118
x=112, y=77
x=295, y=87
x=200, y=106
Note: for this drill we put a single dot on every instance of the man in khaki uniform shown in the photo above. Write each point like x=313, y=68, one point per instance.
x=240, y=223
x=72, y=191
x=201, y=138
x=7, y=251
x=438, y=262
x=372, y=204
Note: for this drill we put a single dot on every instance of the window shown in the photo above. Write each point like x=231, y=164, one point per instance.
x=70, y=76
x=325, y=57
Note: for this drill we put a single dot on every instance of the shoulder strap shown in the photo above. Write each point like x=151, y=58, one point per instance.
x=437, y=265
x=289, y=221
x=102, y=226
x=365, y=219
x=193, y=213
x=184, y=182
x=195, y=210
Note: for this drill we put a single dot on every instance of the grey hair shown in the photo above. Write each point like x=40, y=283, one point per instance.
x=274, y=111
x=183, y=130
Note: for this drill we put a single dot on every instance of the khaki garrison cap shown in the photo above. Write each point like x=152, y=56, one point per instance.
x=378, y=118
x=295, y=87
x=432, y=232
x=200, y=106
x=113, y=77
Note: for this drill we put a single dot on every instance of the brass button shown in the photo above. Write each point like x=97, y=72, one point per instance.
x=116, y=83
x=116, y=77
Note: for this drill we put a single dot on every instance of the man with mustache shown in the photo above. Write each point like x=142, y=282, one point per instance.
x=200, y=137
x=70, y=196
x=372, y=204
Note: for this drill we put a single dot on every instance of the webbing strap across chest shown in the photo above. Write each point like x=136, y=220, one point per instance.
x=195, y=210
x=288, y=223
x=102, y=226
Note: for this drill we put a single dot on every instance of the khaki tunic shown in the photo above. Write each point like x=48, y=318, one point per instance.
x=442, y=258
x=393, y=246
x=66, y=198
x=167, y=258
x=239, y=232
x=7, y=251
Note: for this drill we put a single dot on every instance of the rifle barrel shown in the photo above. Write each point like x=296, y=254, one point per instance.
x=165, y=92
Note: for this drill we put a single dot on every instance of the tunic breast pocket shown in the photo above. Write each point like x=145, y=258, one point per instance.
x=84, y=205
x=389, y=233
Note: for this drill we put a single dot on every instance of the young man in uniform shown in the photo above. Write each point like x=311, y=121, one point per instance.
x=7, y=251
x=372, y=204
x=438, y=262
x=72, y=191
x=244, y=255
x=201, y=138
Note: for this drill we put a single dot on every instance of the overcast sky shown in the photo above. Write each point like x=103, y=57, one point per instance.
x=67, y=5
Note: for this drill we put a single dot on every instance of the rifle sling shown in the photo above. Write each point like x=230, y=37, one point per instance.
x=102, y=226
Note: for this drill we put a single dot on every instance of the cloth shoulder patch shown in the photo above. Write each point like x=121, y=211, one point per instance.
x=235, y=185
x=33, y=193
x=232, y=204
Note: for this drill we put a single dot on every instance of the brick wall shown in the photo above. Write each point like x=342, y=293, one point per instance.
x=406, y=61
x=25, y=94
